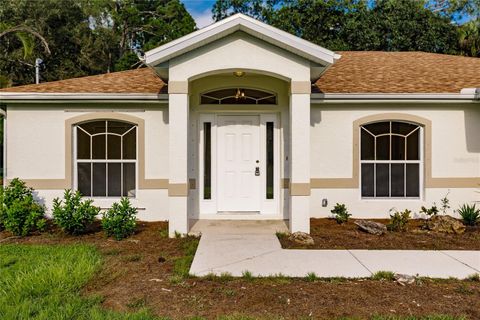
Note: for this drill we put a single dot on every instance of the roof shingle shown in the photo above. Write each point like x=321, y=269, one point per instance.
x=355, y=72
x=131, y=81
x=400, y=72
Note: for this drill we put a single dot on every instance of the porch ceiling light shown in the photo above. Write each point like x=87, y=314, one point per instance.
x=240, y=94
x=239, y=73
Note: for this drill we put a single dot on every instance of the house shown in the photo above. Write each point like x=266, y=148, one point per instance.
x=240, y=120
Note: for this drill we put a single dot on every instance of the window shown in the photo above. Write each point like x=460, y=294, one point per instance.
x=390, y=160
x=270, y=155
x=207, y=158
x=106, y=158
x=238, y=96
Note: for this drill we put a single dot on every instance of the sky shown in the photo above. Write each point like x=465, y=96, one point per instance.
x=201, y=11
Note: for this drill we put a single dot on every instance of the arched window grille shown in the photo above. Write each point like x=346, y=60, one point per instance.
x=391, y=160
x=106, y=158
x=238, y=96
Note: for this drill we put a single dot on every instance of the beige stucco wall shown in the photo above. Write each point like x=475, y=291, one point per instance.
x=36, y=149
x=455, y=154
x=239, y=51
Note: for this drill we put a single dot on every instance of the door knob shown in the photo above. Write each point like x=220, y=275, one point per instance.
x=257, y=171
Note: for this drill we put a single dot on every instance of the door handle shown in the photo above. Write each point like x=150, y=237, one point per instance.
x=257, y=171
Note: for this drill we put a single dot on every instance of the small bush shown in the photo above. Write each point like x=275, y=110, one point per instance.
x=19, y=212
x=340, y=213
x=399, y=220
x=120, y=220
x=433, y=211
x=383, y=275
x=72, y=214
x=311, y=277
x=470, y=214
x=247, y=275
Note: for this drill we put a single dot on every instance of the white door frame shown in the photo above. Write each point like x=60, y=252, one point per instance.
x=268, y=207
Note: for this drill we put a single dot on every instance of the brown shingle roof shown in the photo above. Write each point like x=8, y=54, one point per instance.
x=355, y=72
x=132, y=81
x=400, y=72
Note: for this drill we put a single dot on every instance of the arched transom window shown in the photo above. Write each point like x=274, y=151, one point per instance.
x=106, y=158
x=390, y=160
x=238, y=96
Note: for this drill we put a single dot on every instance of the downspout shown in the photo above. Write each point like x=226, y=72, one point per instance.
x=475, y=92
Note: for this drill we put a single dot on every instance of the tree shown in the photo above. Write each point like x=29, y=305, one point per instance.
x=388, y=25
x=86, y=37
x=469, y=38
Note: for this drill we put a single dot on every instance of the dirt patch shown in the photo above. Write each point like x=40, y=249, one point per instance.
x=328, y=234
x=139, y=272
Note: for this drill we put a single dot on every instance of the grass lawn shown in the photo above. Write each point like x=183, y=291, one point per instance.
x=43, y=282
x=53, y=276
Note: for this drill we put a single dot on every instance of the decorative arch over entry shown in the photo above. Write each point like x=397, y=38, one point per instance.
x=238, y=96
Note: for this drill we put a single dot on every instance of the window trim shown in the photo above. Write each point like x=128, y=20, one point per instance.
x=75, y=161
x=420, y=162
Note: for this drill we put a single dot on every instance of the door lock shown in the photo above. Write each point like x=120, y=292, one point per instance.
x=257, y=171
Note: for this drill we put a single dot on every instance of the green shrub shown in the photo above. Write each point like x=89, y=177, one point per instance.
x=72, y=214
x=19, y=212
x=340, y=213
x=120, y=220
x=470, y=214
x=433, y=211
x=399, y=220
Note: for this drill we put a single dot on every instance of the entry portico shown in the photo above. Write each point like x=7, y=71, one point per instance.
x=239, y=53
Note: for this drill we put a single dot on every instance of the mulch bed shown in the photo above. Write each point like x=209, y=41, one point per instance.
x=134, y=277
x=328, y=234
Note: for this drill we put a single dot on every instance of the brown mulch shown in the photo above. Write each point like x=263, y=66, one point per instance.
x=328, y=234
x=137, y=273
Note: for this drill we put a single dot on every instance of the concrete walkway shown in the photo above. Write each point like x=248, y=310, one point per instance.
x=238, y=246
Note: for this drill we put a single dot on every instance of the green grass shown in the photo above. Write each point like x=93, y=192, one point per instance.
x=383, y=275
x=182, y=264
x=43, y=282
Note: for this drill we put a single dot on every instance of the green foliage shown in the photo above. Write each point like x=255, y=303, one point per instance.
x=385, y=25
x=383, y=275
x=72, y=214
x=85, y=37
x=445, y=203
x=432, y=211
x=281, y=235
x=19, y=212
x=182, y=264
x=120, y=220
x=470, y=214
x=247, y=275
x=44, y=282
x=340, y=213
x=399, y=220
x=474, y=277
x=311, y=277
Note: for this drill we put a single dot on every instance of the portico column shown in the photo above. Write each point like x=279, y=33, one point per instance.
x=177, y=155
x=300, y=156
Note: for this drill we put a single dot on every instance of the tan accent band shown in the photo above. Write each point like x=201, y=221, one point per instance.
x=192, y=184
x=453, y=182
x=178, y=189
x=153, y=184
x=299, y=189
x=177, y=87
x=285, y=183
x=340, y=183
x=430, y=182
x=300, y=87
x=49, y=184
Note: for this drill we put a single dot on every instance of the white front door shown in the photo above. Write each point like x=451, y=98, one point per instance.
x=238, y=163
